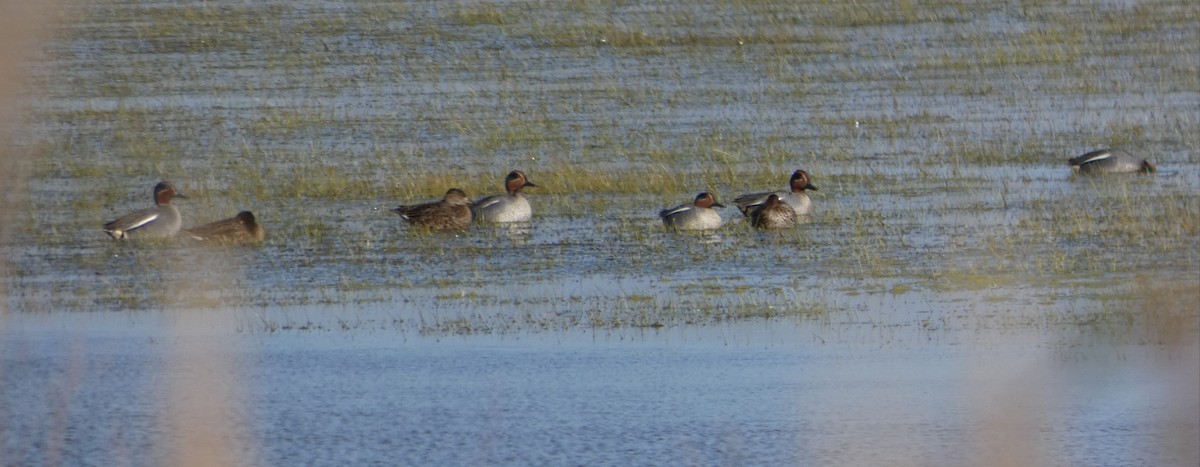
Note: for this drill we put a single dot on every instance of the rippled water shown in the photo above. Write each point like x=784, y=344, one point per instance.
x=958, y=297
x=737, y=394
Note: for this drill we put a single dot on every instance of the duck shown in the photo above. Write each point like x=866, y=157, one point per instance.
x=508, y=207
x=697, y=215
x=239, y=229
x=1110, y=161
x=161, y=221
x=773, y=214
x=794, y=197
x=452, y=212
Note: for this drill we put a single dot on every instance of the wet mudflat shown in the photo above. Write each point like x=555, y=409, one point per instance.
x=957, y=296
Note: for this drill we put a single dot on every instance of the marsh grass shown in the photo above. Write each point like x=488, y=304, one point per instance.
x=320, y=119
x=205, y=28
x=936, y=131
x=1119, y=211
x=482, y=15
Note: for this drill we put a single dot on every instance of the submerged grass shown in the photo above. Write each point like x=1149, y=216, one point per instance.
x=1119, y=211
x=1157, y=312
x=928, y=127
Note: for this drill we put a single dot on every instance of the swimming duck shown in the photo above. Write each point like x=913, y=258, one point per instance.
x=697, y=215
x=162, y=220
x=240, y=229
x=452, y=212
x=795, y=197
x=773, y=214
x=1110, y=161
x=504, y=208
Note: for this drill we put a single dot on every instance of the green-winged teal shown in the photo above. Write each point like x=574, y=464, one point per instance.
x=773, y=214
x=240, y=229
x=452, y=212
x=697, y=215
x=1110, y=161
x=508, y=207
x=162, y=220
x=794, y=197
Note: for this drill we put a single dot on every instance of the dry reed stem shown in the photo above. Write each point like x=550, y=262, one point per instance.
x=204, y=392
x=20, y=28
x=205, y=399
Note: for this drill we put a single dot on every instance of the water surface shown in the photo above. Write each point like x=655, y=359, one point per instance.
x=957, y=298
x=721, y=395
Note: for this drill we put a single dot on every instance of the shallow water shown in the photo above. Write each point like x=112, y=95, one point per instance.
x=734, y=394
x=958, y=297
